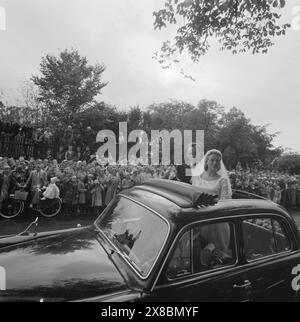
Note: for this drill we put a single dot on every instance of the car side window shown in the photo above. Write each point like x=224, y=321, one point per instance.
x=203, y=248
x=180, y=264
x=264, y=237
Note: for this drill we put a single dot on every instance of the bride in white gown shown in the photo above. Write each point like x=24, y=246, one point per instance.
x=210, y=176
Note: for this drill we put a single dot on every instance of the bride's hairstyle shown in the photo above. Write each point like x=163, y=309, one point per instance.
x=202, y=166
x=209, y=153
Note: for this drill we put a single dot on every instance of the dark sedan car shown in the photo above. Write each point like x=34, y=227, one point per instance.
x=160, y=241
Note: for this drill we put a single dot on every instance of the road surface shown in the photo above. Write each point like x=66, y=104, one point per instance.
x=15, y=226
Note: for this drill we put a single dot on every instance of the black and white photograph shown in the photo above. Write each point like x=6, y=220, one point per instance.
x=149, y=153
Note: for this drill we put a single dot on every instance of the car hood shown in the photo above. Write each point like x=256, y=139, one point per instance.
x=65, y=266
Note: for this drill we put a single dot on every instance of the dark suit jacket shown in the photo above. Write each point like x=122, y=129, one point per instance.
x=181, y=173
x=35, y=179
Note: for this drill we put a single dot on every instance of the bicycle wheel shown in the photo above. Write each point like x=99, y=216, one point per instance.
x=11, y=208
x=50, y=208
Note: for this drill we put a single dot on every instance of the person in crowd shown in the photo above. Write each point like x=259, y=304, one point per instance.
x=75, y=194
x=68, y=136
x=36, y=181
x=77, y=137
x=77, y=156
x=60, y=156
x=293, y=192
x=4, y=184
x=89, y=187
x=113, y=183
x=69, y=154
x=81, y=196
x=86, y=156
x=97, y=197
x=52, y=191
x=67, y=195
x=184, y=171
x=16, y=179
x=89, y=136
x=49, y=156
x=48, y=135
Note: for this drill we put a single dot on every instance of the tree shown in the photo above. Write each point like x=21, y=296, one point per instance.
x=289, y=162
x=238, y=25
x=101, y=116
x=34, y=112
x=170, y=115
x=206, y=117
x=68, y=84
x=135, y=118
x=236, y=137
x=239, y=140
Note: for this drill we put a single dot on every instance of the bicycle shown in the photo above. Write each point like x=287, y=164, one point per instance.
x=15, y=203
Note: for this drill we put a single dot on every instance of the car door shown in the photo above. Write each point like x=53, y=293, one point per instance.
x=270, y=254
x=194, y=271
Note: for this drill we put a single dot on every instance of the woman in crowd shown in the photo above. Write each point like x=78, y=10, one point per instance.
x=97, y=198
x=89, y=187
x=113, y=182
x=82, y=195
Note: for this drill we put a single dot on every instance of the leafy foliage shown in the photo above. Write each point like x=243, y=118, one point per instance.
x=239, y=140
x=68, y=84
x=231, y=132
x=238, y=25
x=288, y=162
x=169, y=115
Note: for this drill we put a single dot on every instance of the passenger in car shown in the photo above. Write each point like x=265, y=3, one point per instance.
x=210, y=176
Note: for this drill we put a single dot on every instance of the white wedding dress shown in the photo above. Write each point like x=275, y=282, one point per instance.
x=219, y=187
x=219, y=233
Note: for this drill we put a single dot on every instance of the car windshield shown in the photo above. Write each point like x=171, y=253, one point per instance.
x=136, y=232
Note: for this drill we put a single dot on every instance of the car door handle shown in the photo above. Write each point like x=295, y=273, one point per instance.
x=247, y=284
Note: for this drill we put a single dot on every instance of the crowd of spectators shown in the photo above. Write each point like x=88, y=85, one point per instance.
x=16, y=141
x=280, y=187
x=87, y=186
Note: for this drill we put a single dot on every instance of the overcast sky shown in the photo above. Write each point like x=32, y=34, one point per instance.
x=120, y=34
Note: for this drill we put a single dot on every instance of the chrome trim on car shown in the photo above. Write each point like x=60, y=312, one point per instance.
x=161, y=249
x=127, y=295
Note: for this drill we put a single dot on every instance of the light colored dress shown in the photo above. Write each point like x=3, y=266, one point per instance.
x=81, y=193
x=219, y=187
x=218, y=234
x=52, y=191
x=97, y=195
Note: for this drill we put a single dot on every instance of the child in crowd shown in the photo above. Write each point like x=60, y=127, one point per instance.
x=82, y=196
x=75, y=194
x=97, y=201
x=89, y=187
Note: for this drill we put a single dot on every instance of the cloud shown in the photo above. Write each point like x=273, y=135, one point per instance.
x=120, y=34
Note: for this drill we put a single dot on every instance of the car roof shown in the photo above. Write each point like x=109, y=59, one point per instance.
x=176, y=202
